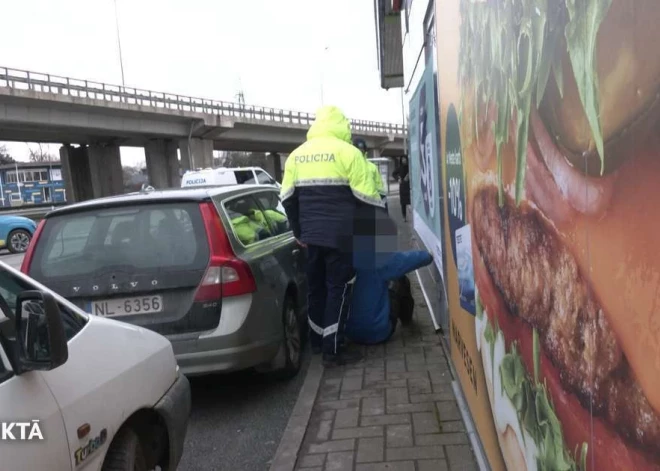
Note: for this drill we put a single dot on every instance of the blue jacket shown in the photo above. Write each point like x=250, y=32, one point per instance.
x=369, y=319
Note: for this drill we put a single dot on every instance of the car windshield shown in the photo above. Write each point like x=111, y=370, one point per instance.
x=149, y=237
x=10, y=287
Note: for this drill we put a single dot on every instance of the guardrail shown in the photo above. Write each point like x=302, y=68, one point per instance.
x=42, y=82
x=36, y=212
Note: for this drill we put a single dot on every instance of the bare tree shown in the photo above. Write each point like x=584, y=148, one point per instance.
x=134, y=177
x=5, y=157
x=42, y=155
x=244, y=159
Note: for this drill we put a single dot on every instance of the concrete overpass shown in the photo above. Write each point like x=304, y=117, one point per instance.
x=99, y=118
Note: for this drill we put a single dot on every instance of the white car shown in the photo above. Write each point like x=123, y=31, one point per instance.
x=227, y=176
x=83, y=392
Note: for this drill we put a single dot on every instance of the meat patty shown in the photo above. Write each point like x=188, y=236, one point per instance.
x=540, y=281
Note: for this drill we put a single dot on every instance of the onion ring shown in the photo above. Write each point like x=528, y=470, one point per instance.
x=540, y=188
x=587, y=195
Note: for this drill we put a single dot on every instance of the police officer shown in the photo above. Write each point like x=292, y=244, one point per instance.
x=373, y=169
x=362, y=145
x=326, y=180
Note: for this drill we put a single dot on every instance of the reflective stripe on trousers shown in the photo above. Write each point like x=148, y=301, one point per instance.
x=330, y=277
x=334, y=327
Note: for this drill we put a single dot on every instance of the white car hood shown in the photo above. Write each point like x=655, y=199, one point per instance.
x=113, y=370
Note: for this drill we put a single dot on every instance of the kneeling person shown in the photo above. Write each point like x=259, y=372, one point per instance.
x=379, y=295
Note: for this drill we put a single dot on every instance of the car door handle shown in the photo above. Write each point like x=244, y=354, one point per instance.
x=295, y=252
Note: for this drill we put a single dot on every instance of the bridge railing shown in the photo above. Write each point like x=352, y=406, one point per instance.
x=40, y=82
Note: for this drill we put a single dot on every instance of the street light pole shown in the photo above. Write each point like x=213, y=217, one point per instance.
x=18, y=183
x=121, y=60
x=325, y=50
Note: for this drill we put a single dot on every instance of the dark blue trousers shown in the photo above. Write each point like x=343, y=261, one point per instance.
x=330, y=276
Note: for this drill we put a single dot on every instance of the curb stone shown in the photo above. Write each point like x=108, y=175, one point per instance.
x=287, y=452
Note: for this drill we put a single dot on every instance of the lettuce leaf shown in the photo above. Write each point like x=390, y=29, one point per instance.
x=509, y=49
x=479, y=307
x=536, y=414
x=585, y=17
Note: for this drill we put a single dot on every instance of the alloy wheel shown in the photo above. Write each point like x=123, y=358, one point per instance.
x=292, y=332
x=20, y=241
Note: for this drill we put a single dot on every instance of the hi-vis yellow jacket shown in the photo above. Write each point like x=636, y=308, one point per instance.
x=246, y=230
x=378, y=180
x=274, y=218
x=324, y=181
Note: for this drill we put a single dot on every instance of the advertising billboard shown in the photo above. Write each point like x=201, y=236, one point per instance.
x=424, y=164
x=550, y=131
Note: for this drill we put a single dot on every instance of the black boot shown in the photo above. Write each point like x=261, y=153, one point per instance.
x=342, y=358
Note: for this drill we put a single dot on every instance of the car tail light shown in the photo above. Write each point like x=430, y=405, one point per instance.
x=27, y=260
x=226, y=274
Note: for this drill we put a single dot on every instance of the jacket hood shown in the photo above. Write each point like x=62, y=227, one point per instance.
x=330, y=122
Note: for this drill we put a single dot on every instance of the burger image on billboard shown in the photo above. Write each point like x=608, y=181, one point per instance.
x=560, y=124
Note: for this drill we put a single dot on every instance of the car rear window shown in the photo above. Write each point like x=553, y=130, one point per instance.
x=136, y=238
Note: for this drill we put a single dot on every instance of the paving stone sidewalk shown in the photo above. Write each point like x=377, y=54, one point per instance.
x=394, y=411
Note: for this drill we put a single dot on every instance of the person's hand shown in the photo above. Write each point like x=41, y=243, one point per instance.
x=302, y=244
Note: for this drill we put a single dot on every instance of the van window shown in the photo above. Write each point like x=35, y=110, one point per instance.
x=248, y=221
x=274, y=212
x=244, y=176
x=263, y=178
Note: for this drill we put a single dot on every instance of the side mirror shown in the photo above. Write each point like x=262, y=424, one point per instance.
x=40, y=340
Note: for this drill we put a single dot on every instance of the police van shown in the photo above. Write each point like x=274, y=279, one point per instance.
x=227, y=176
x=84, y=392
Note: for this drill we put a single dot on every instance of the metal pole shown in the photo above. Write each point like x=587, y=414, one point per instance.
x=403, y=119
x=325, y=50
x=50, y=179
x=18, y=182
x=2, y=191
x=121, y=60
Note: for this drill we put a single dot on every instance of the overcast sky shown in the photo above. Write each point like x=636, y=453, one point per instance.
x=274, y=50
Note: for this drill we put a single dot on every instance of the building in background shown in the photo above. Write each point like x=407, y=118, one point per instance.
x=29, y=183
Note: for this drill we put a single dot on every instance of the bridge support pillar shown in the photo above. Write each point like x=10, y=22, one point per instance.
x=274, y=165
x=162, y=163
x=196, y=153
x=75, y=170
x=105, y=170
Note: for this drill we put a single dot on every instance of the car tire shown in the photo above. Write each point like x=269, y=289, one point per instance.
x=125, y=453
x=16, y=241
x=292, y=341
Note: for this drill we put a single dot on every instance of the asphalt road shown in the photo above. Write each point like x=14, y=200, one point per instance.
x=237, y=420
x=13, y=260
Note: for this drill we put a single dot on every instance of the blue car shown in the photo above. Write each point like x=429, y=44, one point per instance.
x=16, y=233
